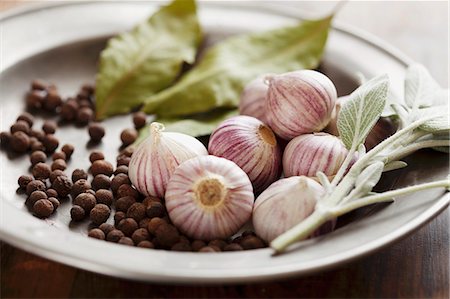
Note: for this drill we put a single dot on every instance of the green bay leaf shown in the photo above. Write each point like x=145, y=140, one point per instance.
x=142, y=62
x=217, y=81
x=362, y=110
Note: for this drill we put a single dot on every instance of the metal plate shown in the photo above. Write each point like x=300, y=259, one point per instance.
x=60, y=43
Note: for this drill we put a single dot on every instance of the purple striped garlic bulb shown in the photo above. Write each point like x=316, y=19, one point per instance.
x=155, y=159
x=253, y=99
x=384, y=127
x=307, y=154
x=209, y=198
x=284, y=204
x=299, y=102
x=250, y=144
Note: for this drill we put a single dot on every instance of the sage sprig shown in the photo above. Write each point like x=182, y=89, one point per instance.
x=422, y=127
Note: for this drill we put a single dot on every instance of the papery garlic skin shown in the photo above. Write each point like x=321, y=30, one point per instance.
x=383, y=128
x=253, y=99
x=309, y=153
x=209, y=198
x=155, y=159
x=299, y=102
x=284, y=204
x=250, y=144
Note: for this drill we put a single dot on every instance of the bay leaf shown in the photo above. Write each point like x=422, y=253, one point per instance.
x=219, y=78
x=147, y=59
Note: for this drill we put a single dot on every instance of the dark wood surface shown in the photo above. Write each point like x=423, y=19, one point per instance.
x=415, y=267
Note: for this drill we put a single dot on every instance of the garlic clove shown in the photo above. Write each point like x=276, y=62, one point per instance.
x=299, y=102
x=253, y=99
x=155, y=159
x=384, y=128
x=284, y=204
x=307, y=154
x=209, y=198
x=250, y=144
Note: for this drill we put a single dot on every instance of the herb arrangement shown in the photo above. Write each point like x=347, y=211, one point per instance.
x=171, y=191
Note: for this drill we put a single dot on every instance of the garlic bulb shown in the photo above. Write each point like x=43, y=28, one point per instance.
x=384, y=127
x=253, y=99
x=155, y=159
x=284, y=204
x=250, y=144
x=307, y=154
x=209, y=198
x=299, y=102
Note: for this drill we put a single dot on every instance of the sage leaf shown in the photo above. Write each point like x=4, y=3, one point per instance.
x=218, y=80
x=149, y=58
x=361, y=111
x=369, y=177
x=420, y=87
x=440, y=118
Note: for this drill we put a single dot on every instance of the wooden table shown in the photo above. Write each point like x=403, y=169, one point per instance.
x=416, y=267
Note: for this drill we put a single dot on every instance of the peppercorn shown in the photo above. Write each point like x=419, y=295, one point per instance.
x=150, y=199
x=34, y=99
x=155, y=209
x=126, y=241
x=80, y=186
x=55, y=202
x=88, y=89
x=37, y=157
x=77, y=213
x=59, y=164
x=127, y=151
x=43, y=208
x=50, y=142
x=136, y=211
x=251, y=242
x=51, y=193
x=104, y=196
x=197, y=244
x=154, y=224
x=49, y=127
x=86, y=201
x=219, y=243
x=119, y=216
x=118, y=181
x=36, y=146
x=121, y=169
x=102, y=167
x=79, y=174
x=96, y=234
x=146, y=244
x=68, y=149
x=41, y=171
x=25, y=116
x=38, y=84
x=144, y=222
x=106, y=227
x=62, y=185
x=37, y=134
x=233, y=247
x=139, y=120
x=35, y=196
x=96, y=132
x=59, y=155
x=56, y=173
x=52, y=101
x=101, y=181
x=167, y=235
x=20, y=126
x=24, y=180
x=139, y=235
x=96, y=155
x=124, y=203
x=84, y=116
x=5, y=138
x=114, y=236
x=127, y=190
x=209, y=249
x=123, y=160
x=181, y=246
x=128, y=136
x=35, y=185
x=20, y=142
x=99, y=214
x=127, y=226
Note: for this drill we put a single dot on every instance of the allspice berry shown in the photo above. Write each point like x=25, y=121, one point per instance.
x=128, y=136
x=219, y=243
x=35, y=185
x=62, y=185
x=121, y=169
x=124, y=203
x=101, y=181
x=84, y=116
x=252, y=242
x=167, y=235
x=50, y=142
x=41, y=171
x=56, y=173
x=197, y=244
x=79, y=174
x=52, y=101
x=127, y=190
x=49, y=127
x=55, y=202
x=118, y=181
x=136, y=211
x=20, y=126
x=96, y=132
x=69, y=110
x=20, y=142
x=80, y=186
x=114, y=236
x=139, y=235
x=37, y=157
x=43, y=208
x=96, y=155
x=126, y=241
x=102, y=167
x=139, y=120
x=99, y=214
x=51, y=192
x=104, y=196
x=5, y=138
x=68, y=149
x=233, y=247
x=128, y=226
x=59, y=164
x=24, y=180
x=86, y=201
x=119, y=216
x=106, y=227
x=59, y=155
x=77, y=213
x=181, y=246
x=154, y=224
x=146, y=244
x=35, y=196
x=96, y=233
x=25, y=116
x=34, y=99
x=155, y=209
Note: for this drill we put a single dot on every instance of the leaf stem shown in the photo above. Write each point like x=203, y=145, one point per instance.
x=407, y=150
x=344, y=167
x=387, y=196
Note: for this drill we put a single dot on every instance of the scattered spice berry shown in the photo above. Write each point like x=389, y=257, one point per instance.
x=121, y=169
x=69, y=110
x=55, y=202
x=155, y=209
x=127, y=190
x=20, y=142
x=106, y=228
x=43, y=208
x=252, y=242
x=150, y=199
x=86, y=201
x=25, y=116
x=119, y=216
x=24, y=180
x=50, y=142
x=35, y=196
x=84, y=116
x=209, y=249
x=136, y=211
x=77, y=213
x=56, y=173
x=35, y=185
x=197, y=244
x=37, y=157
x=20, y=126
x=144, y=222
x=146, y=244
x=80, y=186
x=181, y=247
x=124, y=203
x=96, y=132
x=123, y=160
x=37, y=134
x=79, y=174
x=34, y=99
x=139, y=120
x=36, y=146
x=51, y=193
x=126, y=241
x=154, y=224
x=59, y=164
x=102, y=167
x=104, y=196
x=41, y=171
x=95, y=155
x=52, y=101
x=118, y=181
x=127, y=151
x=68, y=149
x=49, y=127
x=96, y=233
x=219, y=243
x=114, y=236
x=128, y=136
x=99, y=214
x=62, y=185
x=167, y=235
x=101, y=181
x=127, y=226
x=5, y=138
x=139, y=235
x=59, y=155
x=233, y=247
